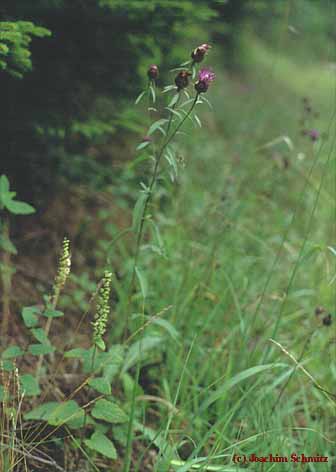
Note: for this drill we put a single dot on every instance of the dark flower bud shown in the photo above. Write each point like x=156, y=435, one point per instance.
x=153, y=72
x=327, y=320
x=198, y=54
x=201, y=86
x=182, y=79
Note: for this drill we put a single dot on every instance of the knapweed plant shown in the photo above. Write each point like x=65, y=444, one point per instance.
x=95, y=409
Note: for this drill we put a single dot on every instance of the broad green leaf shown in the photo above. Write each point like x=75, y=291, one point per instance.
x=40, y=349
x=19, y=208
x=128, y=386
x=42, y=412
x=30, y=385
x=102, y=444
x=101, y=385
x=74, y=353
x=29, y=316
x=12, y=351
x=143, y=282
x=109, y=412
x=68, y=412
x=116, y=358
x=7, y=245
x=4, y=184
x=40, y=335
x=59, y=413
x=99, y=342
x=8, y=365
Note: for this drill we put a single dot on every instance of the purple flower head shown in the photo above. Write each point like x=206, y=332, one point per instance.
x=314, y=134
x=205, y=77
x=153, y=72
x=198, y=54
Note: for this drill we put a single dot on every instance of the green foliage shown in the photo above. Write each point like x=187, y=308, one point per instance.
x=7, y=200
x=99, y=442
x=15, y=39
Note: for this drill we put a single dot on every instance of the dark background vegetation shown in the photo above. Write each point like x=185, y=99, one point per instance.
x=58, y=122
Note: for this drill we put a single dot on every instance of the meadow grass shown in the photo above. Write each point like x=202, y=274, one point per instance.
x=246, y=255
x=249, y=237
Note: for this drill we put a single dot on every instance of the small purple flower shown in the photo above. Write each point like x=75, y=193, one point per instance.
x=198, y=54
x=147, y=139
x=153, y=72
x=205, y=77
x=314, y=134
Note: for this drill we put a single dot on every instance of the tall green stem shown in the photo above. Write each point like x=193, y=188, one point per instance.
x=138, y=243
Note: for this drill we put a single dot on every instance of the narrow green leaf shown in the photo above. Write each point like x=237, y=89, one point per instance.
x=157, y=124
x=139, y=97
x=143, y=282
x=143, y=145
x=227, y=385
x=140, y=349
x=174, y=100
x=138, y=211
x=49, y=313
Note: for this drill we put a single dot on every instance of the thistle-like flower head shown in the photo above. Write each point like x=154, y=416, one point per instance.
x=153, y=72
x=205, y=77
x=198, y=54
x=314, y=134
x=182, y=79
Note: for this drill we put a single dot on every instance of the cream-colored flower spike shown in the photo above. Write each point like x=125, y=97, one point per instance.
x=64, y=267
x=102, y=310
